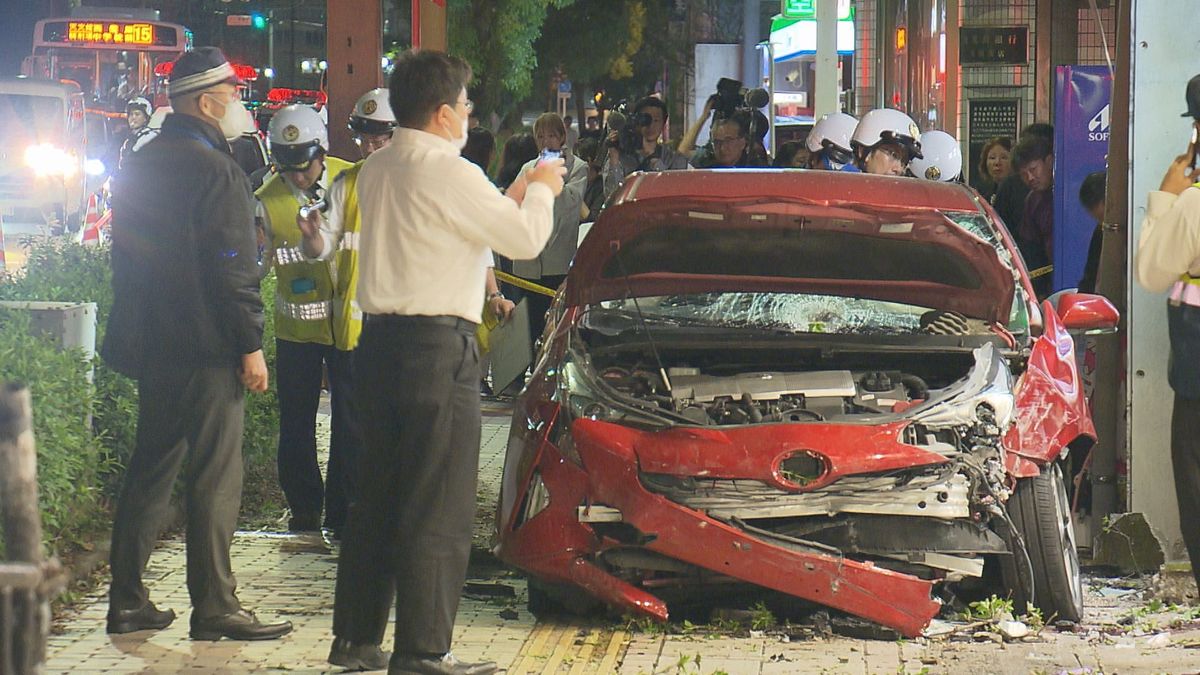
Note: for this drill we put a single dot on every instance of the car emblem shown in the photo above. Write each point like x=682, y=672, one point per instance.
x=370, y=107
x=291, y=133
x=933, y=173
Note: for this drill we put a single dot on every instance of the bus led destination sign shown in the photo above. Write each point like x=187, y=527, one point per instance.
x=110, y=32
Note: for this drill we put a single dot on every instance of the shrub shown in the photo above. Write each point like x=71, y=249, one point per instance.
x=78, y=471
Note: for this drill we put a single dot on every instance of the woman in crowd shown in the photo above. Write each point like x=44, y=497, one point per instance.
x=995, y=164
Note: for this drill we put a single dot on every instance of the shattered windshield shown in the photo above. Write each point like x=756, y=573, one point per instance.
x=786, y=312
x=979, y=225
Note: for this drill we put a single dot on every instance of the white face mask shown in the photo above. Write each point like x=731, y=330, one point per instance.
x=461, y=141
x=236, y=120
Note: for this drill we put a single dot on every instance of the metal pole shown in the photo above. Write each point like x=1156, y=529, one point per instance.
x=827, y=86
x=751, y=35
x=271, y=41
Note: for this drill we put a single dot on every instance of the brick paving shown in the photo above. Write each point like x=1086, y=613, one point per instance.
x=292, y=577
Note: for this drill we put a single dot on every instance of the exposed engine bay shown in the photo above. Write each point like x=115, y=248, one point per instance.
x=772, y=396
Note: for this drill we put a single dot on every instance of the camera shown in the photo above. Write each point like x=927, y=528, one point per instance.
x=729, y=97
x=627, y=126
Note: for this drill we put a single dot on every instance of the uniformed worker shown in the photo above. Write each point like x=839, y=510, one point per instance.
x=187, y=324
x=137, y=116
x=829, y=143
x=312, y=334
x=430, y=219
x=885, y=141
x=1168, y=256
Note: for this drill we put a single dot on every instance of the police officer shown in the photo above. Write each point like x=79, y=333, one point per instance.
x=187, y=323
x=137, y=115
x=941, y=157
x=885, y=141
x=829, y=143
x=309, y=332
x=1168, y=256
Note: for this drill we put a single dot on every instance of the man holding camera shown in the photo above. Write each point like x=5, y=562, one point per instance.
x=638, y=147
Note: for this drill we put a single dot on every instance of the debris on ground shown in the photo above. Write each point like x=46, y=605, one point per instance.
x=1012, y=630
x=1128, y=544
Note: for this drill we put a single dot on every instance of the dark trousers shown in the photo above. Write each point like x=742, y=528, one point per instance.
x=298, y=373
x=1185, y=458
x=540, y=304
x=194, y=414
x=409, y=533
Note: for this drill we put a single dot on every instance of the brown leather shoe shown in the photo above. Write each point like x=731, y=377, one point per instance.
x=239, y=625
x=350, y=656
x=146, y=617
x=408, y=664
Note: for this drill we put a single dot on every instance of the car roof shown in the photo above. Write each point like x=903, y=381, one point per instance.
x=37, y=87
x=804, y=184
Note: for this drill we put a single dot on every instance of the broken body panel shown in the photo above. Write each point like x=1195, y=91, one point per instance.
x=621, y=480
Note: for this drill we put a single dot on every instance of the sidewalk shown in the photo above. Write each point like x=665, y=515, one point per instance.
x=286, y=576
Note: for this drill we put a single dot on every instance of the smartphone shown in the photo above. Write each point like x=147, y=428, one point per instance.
x=1195, y=147
x=549, y=154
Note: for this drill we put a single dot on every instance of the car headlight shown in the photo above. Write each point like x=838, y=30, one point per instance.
x=48, y=160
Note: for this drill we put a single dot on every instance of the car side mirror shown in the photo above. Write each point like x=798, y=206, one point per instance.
x=1087, y=313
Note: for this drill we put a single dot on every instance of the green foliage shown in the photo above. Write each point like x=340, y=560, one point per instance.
x=497, y=38
x=71, y=463
x=79, y=469
x=761, y=617
x=991, y=609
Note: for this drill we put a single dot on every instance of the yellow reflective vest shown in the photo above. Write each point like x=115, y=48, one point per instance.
x=347, y=315
x=305, y=288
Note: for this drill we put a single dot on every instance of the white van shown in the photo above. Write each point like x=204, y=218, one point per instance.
x=43, y=143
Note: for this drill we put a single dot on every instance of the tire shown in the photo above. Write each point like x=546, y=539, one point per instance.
x=1042, y=515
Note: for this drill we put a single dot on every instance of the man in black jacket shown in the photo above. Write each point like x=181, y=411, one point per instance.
x=187, y=324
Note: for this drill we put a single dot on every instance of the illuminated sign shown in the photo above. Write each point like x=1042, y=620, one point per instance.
x=807, y=9
x=790, y=37
x=110, y=32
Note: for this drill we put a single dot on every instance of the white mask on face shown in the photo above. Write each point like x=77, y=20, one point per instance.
x=236, y=120
x=461, y=141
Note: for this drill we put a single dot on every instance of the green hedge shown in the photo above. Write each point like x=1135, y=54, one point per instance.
x=78, y=471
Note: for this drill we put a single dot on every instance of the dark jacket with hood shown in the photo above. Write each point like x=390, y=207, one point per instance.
x=184, y=256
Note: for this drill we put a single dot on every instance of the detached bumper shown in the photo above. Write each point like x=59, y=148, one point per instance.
x=899, y=601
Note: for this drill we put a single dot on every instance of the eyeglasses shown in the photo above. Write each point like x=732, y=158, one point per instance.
x=468, y=104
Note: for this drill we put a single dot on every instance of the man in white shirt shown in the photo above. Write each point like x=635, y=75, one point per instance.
x=1168, y=257
x=430, y=220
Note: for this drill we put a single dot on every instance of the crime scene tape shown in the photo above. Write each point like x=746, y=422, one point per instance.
x=1039, y=272
x=523, y=284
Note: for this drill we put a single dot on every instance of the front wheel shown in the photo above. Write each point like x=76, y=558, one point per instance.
x=1042, y=515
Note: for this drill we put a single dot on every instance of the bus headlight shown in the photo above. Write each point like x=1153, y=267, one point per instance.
x=47, y=160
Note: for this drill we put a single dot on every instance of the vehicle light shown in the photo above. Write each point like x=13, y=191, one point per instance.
x=47, y=160
x=537, y=498
x=93, y=167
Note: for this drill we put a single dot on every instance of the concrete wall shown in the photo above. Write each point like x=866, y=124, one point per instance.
x=1165, y=54
x=712, y=63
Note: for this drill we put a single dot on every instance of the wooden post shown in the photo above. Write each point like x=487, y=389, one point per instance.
x=354, y=44
x=30, y=613
x=429, y=25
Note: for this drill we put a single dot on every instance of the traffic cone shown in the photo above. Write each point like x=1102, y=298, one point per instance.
x=90, y=233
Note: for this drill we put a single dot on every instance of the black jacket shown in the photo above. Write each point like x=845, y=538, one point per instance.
x=185, y=273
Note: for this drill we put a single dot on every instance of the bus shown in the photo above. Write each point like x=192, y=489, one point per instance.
x=111, y=53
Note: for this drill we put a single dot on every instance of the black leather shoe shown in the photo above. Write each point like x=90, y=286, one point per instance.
x=239, y=625
x=146, y=617
x=407, y=664
x=350, y=656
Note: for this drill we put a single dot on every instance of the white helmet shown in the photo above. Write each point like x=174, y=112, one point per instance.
x=372, y=113
x=832, y=133
x=941, y=157
x=297, y=137
x=140, y=103
x=887, y=125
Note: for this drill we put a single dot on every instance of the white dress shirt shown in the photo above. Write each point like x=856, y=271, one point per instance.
x=430, y=220
x=1169, y=244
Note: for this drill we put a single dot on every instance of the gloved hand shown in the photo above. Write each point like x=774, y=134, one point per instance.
x=941, y=322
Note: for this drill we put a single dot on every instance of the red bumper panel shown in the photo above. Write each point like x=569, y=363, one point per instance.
x=899, y=601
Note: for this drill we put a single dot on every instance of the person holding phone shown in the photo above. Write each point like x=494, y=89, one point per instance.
x=549, y=269
x=1168, y=257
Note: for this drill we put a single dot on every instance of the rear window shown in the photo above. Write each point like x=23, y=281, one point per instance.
x=792, y=252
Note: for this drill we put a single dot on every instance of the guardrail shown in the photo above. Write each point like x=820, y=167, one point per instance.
x=28, y=581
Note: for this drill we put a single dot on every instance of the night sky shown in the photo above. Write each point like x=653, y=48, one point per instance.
x=16, y=33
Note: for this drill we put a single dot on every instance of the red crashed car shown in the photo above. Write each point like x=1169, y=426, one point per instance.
x=834, y=386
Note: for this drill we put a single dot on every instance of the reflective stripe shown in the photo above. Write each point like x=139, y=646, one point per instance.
x=356, y=312
x=289, y=256
x=349, y=241
x=303, y=311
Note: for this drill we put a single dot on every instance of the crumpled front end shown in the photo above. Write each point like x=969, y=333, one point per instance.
x=864, y=516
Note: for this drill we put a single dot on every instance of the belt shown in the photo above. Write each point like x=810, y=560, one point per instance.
x=415, y=321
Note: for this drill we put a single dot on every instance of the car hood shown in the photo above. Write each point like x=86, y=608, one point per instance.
x=667, y=246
